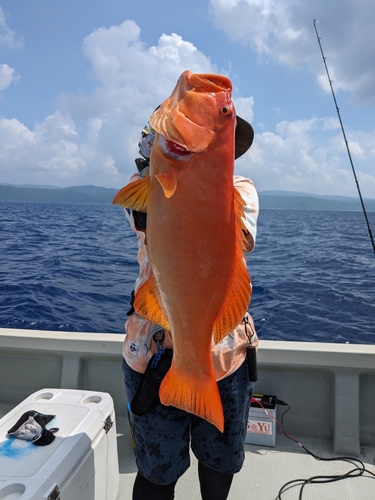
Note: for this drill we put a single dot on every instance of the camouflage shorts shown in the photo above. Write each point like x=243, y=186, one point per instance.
x=164, y=434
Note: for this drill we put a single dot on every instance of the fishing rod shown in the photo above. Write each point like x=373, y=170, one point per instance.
x=346, y=142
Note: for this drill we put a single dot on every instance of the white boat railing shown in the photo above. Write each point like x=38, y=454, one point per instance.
x=330, y=387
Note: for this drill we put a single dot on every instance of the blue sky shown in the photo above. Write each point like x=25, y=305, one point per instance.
x=78, y=80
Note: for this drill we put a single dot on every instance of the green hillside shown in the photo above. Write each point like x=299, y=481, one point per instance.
x=94, y=194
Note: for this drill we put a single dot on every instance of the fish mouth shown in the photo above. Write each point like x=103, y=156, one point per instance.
x=176, y=149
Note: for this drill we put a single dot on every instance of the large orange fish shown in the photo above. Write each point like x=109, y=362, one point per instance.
x=199, y=288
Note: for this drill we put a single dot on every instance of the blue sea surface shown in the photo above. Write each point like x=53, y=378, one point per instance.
x=72, y=267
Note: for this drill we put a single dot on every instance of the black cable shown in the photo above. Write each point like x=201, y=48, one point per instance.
x=358, y=470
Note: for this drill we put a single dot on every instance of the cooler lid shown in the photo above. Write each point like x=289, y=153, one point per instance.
x=80, y=416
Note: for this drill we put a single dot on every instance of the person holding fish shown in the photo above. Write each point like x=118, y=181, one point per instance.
x=189, y=349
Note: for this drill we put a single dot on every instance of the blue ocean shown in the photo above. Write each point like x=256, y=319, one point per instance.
x=72, y=268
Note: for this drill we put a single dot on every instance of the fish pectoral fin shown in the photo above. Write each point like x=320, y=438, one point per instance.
x=134, y=195
x=199, y=396
x=168, y=181
x=239, y=290
x=148, y=305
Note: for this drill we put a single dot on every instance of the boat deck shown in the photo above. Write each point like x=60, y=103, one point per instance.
x=265, y=471
x=329, y=387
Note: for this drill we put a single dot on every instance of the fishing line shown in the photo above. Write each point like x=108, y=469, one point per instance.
x=343, y=133
x=273, y=311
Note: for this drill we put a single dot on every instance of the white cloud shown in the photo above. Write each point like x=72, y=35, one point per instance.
x=293, y=159
x=283, y=30
x=50, y=145
x=95, y=135
x=92, y=138
x=244, y=108
x=13, y=133
x=132, y=81
x=7, y=76
x=7, y=37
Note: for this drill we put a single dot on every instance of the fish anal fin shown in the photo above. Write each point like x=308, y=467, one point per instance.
x=148, y=305
x=168, y=181
x=134, y=195
x=197, y=395
x=239, y=290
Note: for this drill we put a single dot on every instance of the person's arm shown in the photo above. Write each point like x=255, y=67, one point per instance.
x=248, y=192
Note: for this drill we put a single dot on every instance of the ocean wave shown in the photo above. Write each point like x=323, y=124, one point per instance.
x=72, y=268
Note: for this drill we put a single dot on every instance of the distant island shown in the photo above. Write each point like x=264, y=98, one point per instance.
x=289, y=200
x=278, y=200
x=53, y=194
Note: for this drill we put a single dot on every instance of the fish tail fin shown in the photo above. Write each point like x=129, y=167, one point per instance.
x=199, y=396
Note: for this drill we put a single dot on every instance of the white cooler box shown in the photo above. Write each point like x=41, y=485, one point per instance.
x=80, y=464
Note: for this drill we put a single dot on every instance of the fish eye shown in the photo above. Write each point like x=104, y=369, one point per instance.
x=225, y=111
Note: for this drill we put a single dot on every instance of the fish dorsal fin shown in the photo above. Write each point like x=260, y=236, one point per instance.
x=239, y=290
x=148, y=305
x=134, y=195
x=168, y=181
